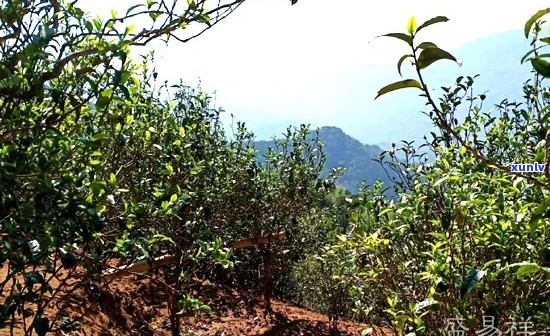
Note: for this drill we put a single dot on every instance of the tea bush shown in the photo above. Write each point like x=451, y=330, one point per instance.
x=101, y=167
x=465, y=243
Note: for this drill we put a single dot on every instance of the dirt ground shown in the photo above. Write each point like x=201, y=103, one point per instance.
x=136, y=305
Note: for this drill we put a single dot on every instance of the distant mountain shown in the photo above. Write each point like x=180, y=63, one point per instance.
x=344, y=151
x=397, y=116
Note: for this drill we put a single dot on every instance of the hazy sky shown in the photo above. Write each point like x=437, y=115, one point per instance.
x=272, y=64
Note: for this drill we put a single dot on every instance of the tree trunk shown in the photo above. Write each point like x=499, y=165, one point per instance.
x=268, y=279
x=173, y=297
x=173, y=311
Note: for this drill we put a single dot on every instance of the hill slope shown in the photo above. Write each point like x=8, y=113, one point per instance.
x=136, y=305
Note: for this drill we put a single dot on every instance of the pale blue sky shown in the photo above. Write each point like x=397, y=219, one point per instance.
x=272, y=64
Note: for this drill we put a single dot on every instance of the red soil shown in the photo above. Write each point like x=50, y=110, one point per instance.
x=136, y=305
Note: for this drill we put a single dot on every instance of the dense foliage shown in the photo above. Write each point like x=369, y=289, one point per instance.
x=100, y=167
x=465, y=246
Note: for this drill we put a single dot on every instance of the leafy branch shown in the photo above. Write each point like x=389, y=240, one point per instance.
x=425, y=54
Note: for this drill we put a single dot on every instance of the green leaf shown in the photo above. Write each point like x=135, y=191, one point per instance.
x=169, y=169
x=506, y=268
x=470, y=281
x=401, y=60
x=33, y=278
x=529, y=24
x=432, y=21
x=134, y=7
x=89, y=26
x=125, y=92
x=400, y=36
x=99, y=137
x=526, y=270
x=441, y=180
x=541, y=66
x=524, y=58
x=431, y=55
x=41, y=325
x=542, y=208
x=426, y=45
x=154, y=15
x=490, y=263
x=68, y=260
x=411, y=26
x=129, y=119
x=46, y=242
x=407, y=83
x=97, y=23
x=204, y=309
x=112, y=178
x=102, y=101
x=98, y=186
